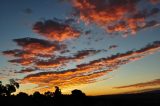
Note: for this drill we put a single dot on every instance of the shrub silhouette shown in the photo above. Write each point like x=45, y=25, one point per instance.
x=22, y=94
x=78, y=93
x=49, y=94
x=36, y=94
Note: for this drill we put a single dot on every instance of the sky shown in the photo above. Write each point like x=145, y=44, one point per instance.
x=98, y=46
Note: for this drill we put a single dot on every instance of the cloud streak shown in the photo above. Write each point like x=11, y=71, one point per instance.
x=92, y=71
x=40, y=54
x=32, y=49
x=27, y=70
x=152, y=83
x=63, y=60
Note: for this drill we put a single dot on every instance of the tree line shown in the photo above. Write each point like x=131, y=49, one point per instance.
x=8, y=89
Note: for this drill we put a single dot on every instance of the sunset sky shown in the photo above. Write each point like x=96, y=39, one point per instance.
x=98, y=46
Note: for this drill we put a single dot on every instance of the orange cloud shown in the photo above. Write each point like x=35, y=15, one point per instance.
x=115, y=16
x=32, y=49
x=48, y=80
x=155, y=82
x=62, y=60
x=48, y=64
x=90, y=72
x=54, y=30
x=38, y=53
x=38, y=46
x=24, y=62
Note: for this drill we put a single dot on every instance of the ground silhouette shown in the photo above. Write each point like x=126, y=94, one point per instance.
x=77, y=98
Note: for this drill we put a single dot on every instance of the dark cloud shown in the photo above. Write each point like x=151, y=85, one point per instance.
x=112, y=47
x=27, y=41
x=39, y=46
x=28, y=11
x=27, y=70
x=13, y=53
x=84, y=53
x=69, y=21
x=152, y=23
x=154, y=11
x=55, y=30
x=87, y=32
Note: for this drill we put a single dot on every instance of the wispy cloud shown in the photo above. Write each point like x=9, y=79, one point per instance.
x=32, y=49
x=155, y=82
x=42, y=54
x=26, y=70
x=92, y=71
x=63, y=60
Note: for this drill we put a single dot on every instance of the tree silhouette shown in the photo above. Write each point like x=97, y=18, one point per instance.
x=77, y=98
x=8, y=88
x=2, y=89
x=57, y=91
x=13, y=82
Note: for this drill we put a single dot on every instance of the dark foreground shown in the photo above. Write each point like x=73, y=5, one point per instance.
x=73, y=100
